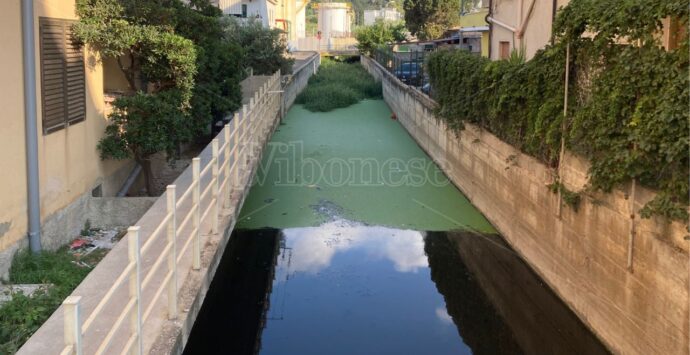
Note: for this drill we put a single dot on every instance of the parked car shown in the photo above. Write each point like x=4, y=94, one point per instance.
x=409, y=72
x=426, y=88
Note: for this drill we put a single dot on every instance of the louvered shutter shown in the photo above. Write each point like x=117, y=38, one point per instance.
x=62, y=75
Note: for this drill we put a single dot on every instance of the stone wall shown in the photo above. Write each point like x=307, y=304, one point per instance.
x=582, y=254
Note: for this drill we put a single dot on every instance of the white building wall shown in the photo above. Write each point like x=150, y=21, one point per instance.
x=301, y=22
x=264, y=11
x=230, y=7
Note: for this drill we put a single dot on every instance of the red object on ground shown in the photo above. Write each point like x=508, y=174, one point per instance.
x=394, y=116
x=78, y=243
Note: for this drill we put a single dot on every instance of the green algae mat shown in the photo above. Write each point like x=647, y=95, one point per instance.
x=354, y=163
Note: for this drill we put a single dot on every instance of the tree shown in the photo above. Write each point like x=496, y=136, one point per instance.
x=428, y=19
x=219, y=60
x=144, y=124
x=380, y=33
x=159, y=66
x=176, y=56
x=264, y=49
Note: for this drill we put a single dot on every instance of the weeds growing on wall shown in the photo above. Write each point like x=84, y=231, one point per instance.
x=23, y=315
x=338, y=84
x=628, y=108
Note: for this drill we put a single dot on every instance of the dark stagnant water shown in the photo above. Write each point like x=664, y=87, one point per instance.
x=344, y=288
x=300, y=277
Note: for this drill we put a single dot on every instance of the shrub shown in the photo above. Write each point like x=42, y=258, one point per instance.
x=338, y=85
x=371, y=37
x=23, y=315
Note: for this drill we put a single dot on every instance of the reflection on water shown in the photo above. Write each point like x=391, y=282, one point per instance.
x=344, y=288
x=313, y=248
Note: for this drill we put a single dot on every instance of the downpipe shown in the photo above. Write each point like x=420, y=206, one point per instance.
x=31, y=129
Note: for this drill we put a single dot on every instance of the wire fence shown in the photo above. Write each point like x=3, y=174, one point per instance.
x=409, y=67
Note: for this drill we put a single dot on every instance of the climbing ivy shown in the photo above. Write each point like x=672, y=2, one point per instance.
x=628, y=97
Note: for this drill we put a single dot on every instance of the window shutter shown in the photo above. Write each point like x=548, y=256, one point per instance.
x=62, y=76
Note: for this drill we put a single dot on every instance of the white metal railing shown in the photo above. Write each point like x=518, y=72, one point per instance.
x=243, y=139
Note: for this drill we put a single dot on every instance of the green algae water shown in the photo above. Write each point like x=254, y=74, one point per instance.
x=352, y=241
x=356, y=163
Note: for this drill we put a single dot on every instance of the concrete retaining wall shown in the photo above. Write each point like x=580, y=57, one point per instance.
x=299, y=79
x=63, y=225
x=582, y=254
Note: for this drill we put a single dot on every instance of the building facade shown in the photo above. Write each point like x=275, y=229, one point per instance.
x=522, y=24
x=286, y=15
x=71, y=108
x=473, y=28
x=527, y=24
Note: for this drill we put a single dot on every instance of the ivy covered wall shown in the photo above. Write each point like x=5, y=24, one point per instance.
x=627, y=96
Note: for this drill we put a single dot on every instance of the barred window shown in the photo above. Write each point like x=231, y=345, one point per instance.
x=63, y=88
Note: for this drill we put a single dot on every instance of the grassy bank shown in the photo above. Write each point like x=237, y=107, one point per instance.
x=338, y=84
x=23, y=315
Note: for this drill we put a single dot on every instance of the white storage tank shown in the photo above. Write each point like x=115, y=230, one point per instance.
x=334, y=19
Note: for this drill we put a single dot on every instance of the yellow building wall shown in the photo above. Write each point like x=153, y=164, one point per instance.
x=477, y=19
x=69, y=163
x=485, y=44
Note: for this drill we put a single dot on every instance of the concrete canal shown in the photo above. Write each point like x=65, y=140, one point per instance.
x=353, y=241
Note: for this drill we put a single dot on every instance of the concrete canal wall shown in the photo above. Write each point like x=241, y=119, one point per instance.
x=582, y=254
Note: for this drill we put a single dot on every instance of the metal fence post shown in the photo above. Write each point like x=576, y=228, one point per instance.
x=135, y=287
x=72, y=315
x=226, y=174
x=214, y=190
x=172, y=255
x=196, y=250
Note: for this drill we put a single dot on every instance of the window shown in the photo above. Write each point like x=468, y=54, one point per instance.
x=503, y=50
x=63, y=89
x=244, y=10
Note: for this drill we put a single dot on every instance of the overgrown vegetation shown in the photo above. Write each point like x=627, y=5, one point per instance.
x=336, y=85
x=176, y=56
x=23, y=315
x=378, y=34
x=628, y=95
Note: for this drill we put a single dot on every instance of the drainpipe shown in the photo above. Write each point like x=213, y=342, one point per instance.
x=518, y=39
x=502, y=24
x=491, y=27
x=33, y=193
x=553, y=17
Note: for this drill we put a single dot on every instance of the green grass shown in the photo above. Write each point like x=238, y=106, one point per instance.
x=337, y=85
x=22, y=316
